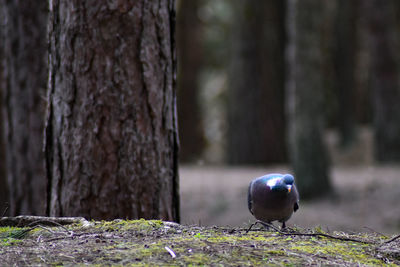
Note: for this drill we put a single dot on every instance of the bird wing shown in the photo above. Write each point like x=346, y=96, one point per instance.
x=249, y=198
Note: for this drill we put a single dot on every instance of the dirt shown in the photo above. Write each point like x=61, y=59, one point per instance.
x=366, y=198
x=156, y=243
x=366, y=195
x=354, y=226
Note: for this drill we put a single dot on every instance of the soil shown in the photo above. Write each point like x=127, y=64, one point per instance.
x=366, y=195
x=156, y=243
x=364, y=205
x=365, y=199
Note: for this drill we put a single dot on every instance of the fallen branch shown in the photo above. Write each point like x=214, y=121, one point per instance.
x=392, y=239
x=310, y=234
x=28, y=221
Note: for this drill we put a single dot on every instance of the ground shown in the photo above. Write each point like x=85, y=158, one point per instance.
x=363, y=213
x=365, y=199
x=157, y=243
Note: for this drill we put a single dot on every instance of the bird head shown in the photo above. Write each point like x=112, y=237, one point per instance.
x=281, y=183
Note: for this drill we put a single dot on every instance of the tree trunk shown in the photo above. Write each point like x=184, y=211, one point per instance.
x=385, y=65
x=23, y=107
x=4, y=197
x=256, y=132
x=305, y=101
x=190, y=54
x=344, y=60
x=111, y=136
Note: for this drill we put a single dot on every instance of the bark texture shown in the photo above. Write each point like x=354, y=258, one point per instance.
x=256, y=127
x=385, y=70
x=190, y=54
x=23, y=104
x=4, y=197
x=111, y=134
x=305, y=100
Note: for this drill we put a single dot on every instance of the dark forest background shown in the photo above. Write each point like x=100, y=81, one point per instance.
x=272, y=78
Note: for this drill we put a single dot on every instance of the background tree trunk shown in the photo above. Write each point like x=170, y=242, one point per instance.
x=4, y=197
x=256, y=132
x=385, y=65
x=190, y=54
x=111, y=134
x=344, y=61
x=305, y=100
x=23, y=107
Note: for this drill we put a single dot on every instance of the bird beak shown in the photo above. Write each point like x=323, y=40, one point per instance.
x=289, y=188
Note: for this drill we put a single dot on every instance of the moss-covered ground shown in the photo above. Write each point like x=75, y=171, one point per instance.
x=157, y=243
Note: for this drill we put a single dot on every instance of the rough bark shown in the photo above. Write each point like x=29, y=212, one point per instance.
x=23, y=105
x=385, y=70
x=344, y=61
x=111, y=136
x=305, y=102
x=256, y=128
x=4, y=197
x=190, y=54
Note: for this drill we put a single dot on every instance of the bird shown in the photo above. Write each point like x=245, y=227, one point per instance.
x=273, y=197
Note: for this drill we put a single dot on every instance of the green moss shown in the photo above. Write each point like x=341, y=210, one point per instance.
x=143, y=243
x=197, y=259
x=346, y=251
x=126, y=225
x=10, y=236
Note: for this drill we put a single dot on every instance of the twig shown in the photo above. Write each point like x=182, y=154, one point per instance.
x=24, y=220
x=392, y=239
x=38, y=224
x=171, y=252
x=313, y=234
x=5, y=210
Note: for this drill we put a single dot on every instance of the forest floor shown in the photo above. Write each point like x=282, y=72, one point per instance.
x=365, y=198
x=157, y=243
x=354, y=225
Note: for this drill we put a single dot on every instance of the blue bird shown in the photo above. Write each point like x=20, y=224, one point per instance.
x=273, y=197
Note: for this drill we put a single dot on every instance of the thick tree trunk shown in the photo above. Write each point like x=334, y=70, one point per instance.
x=23, y=106
x=4, y=197
x=344, y=59
x=190, y=54
x=256, y=132
x=385, y=72
x=305, y=101
x=111, y=134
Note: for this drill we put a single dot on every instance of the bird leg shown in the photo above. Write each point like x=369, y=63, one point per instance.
x=265, y=224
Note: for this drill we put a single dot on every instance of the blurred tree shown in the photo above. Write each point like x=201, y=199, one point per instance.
x=256, y=132
x=23, y=107
x=190, y=55
x=344, y=61
x=385, y=71
x=4, y=197
x=111, y=135
x=305, y=99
